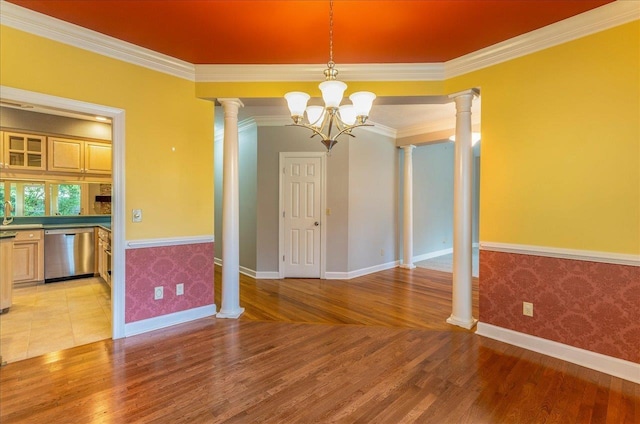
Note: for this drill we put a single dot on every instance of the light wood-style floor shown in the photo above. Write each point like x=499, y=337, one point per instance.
x=371, y=350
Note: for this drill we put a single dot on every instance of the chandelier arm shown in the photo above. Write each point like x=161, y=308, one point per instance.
x=312, y=128
x=349, y=128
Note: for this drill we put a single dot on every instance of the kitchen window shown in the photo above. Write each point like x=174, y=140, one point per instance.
x=51, y=198
x=27, y=197
x=66, y=199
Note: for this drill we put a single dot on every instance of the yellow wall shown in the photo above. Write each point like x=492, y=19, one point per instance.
x=174, y=189
x=561, y=145
x=560, y=127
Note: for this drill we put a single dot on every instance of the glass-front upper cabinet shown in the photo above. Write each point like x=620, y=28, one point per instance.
x=24, y=151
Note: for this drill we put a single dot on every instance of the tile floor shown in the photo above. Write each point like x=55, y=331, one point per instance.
x=55, y=316
x=445, y=262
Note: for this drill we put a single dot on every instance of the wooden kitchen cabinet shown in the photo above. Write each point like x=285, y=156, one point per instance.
x=1, y=149
x=97, y=157
x=79, y=156
x=23, y=151
x=104, y=254
x=6, y=272
x=28, y=257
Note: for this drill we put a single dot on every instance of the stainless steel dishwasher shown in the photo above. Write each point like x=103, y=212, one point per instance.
x=68, y=253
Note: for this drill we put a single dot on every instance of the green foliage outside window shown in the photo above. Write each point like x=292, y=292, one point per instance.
x=33, y=200
x=69, y=200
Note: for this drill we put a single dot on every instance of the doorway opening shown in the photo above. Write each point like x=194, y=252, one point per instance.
x=68, y=107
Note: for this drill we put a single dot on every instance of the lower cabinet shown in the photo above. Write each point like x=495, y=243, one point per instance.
x=104, y=254
x=28, y=257
x=6, y=272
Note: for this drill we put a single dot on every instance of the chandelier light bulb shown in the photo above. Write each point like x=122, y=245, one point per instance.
x=332, y=92
x=297, y=102
x=362, y=102
x=348, y=114
x=315, y=115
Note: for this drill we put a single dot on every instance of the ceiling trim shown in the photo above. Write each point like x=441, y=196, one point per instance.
x=434, y=126
x=314, y=72
x=593, y=21
x=587, y=23
x=55, y=29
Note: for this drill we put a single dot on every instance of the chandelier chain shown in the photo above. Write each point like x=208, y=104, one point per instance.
x=330, y=31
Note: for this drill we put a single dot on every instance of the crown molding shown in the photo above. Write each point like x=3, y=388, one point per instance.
x=434, y=126
x=314, y=72
x=243, y=125
x=380, y=129
x=587, y=23
x=599, y=19
x=45, y=26
x=272, y=121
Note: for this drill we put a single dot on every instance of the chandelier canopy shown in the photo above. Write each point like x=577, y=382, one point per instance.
x=332, y=118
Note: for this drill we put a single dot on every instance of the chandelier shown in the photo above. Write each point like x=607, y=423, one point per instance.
x=332, y=120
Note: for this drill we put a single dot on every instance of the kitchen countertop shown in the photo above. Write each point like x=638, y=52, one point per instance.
x=14, y=228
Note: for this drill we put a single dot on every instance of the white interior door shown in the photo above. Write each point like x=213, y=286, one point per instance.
x=301, y=198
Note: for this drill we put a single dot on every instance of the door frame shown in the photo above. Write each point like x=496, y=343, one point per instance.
x=117, y=183
x=323, y=202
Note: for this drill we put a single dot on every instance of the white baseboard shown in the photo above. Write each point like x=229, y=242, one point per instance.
x=430, y=255
x=275, y=275
x=607, y=364
x=248, y=272
x=156, y=323
x=267, y=275
x=259, y=275
x=360, y=272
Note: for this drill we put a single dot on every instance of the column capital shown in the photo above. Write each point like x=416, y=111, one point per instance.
x=408, y=148
x=228, y=101
x=472, y=92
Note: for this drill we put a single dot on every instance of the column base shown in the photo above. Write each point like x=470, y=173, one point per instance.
x=230, y=314
x=408, y=266
x=468, y=324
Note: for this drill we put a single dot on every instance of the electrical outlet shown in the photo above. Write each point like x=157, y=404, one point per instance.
x=381, y=252
x=527, y=309
x=158, y=293
x=179, y=289
x=328, y=211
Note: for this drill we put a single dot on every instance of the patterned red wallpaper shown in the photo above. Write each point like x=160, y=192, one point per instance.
x=589, y=305
x=146, y=268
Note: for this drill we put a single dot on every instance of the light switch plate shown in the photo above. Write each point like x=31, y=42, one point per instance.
x=179, y=289
x=136, y=215
x=527, y=309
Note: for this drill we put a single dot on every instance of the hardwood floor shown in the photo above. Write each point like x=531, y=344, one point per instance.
x=371, y=350
x=422, y=299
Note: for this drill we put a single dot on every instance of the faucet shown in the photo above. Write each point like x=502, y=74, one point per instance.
x=8, y=208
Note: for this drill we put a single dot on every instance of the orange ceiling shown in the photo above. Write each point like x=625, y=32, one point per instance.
x=290, y=31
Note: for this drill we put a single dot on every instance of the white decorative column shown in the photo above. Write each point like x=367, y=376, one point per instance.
x=230, y=213
x=461, y=313
x=407, y=247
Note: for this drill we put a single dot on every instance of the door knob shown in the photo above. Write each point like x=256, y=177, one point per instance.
x=316, y=223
